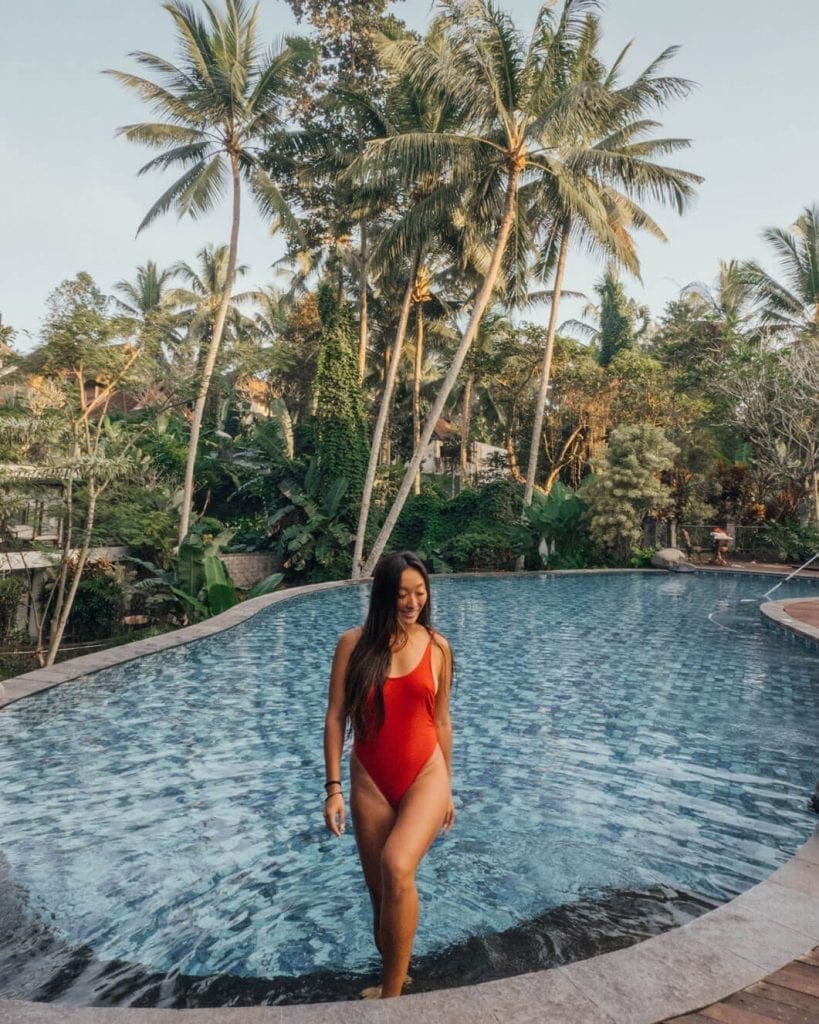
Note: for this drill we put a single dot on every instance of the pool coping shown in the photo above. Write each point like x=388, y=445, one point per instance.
x=674, y=973
x=775, y=612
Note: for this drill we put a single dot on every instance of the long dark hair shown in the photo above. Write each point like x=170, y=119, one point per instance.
x=369, y=662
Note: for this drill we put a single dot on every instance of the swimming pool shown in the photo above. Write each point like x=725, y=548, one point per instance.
x=621, y=762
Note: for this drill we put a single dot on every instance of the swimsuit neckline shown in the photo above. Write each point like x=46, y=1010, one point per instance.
x=420, y=663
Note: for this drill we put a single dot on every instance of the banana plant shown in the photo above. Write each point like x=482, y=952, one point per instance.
x=198, y=578
x=555, y=522
x=319, y=538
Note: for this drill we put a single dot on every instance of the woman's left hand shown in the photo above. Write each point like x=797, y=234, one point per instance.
x=449, y=817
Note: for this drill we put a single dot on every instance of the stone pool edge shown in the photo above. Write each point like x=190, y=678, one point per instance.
x=775, y=612
x=677, y=972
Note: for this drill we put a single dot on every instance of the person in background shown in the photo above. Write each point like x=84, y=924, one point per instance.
x=721, y=541
x=693, y=552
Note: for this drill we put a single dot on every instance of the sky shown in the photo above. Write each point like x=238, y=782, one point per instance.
x=70, y=198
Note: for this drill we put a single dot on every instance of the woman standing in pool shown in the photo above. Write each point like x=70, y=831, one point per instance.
x=390, y=681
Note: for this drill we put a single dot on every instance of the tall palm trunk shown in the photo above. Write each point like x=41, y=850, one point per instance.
x=385, y=453
x=481, y=302
x=540, y=409
x=213, y=352
x=363, y=311
x=466, y=418
x=416, y=386
x=383, y=415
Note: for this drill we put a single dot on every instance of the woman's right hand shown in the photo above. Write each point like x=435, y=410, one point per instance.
x=334, y=813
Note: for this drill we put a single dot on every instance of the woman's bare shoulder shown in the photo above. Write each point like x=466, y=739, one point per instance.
x=349, y=638
x=442, y=642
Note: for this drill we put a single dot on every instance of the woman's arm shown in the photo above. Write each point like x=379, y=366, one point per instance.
x=334, y=723
x=443, y=723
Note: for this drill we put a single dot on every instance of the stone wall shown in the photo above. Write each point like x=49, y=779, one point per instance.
x=246, y=568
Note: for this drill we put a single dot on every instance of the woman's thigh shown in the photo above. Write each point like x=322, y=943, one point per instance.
x=420, y=815
x=373, y=820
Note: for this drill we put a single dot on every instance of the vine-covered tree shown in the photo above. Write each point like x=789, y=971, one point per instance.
x=341, y=431
x=618, y=327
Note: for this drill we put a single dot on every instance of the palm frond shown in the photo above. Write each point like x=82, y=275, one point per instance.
x=272, y=204
x=160, y=133
x=195, y=192
x=177, y=108
x=415, y=155
x=183, y=155
x=194, y=37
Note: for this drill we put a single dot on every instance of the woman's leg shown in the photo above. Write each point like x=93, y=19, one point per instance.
x=420, y=817
x=373, y=818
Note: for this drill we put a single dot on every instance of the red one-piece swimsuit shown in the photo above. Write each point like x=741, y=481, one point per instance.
x=395, y=754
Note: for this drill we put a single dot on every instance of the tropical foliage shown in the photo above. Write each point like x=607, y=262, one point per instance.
x=383, y=387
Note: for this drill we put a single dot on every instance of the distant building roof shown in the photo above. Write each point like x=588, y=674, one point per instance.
x=40, y=474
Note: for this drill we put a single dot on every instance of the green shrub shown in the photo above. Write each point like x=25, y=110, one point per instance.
x=422, y=522
x=98, y=608
x=641, y=557
x=789, y=541
x=478, y=529
x=11, y=590
x=487, y=548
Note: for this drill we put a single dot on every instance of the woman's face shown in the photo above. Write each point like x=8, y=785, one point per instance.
x=412, y=596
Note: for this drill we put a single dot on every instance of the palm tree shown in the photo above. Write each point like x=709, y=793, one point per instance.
x=791, y=306
x=414, y=108
x=514, y=110
x=198, y=302
x=728, y=301
x=147, y=292
x=216, y=105
x=201, y=297
x=148, y=304
x=604, y=171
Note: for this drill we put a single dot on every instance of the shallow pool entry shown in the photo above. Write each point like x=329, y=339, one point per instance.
x=621, y=763
x=38, y=965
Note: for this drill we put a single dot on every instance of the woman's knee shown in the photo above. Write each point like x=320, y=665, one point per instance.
x=397, y=871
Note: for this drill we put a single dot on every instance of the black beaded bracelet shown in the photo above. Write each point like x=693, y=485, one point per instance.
x=332, y=782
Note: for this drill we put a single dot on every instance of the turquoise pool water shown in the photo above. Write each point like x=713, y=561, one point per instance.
x=609, y=738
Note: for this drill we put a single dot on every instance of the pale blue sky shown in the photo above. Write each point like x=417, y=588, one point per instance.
x=71, y=200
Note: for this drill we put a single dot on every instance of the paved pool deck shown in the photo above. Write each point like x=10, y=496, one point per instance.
x=680, y=972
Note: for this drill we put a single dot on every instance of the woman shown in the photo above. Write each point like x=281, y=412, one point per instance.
x=390, y=681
